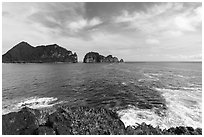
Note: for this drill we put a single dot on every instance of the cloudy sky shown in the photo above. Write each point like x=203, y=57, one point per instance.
x=132, y=31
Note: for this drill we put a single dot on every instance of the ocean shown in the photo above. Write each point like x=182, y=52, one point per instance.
x=164, y=94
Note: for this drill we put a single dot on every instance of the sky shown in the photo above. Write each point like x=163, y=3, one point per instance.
x=133, y=31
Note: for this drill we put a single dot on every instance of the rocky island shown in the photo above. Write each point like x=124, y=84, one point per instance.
x=94, y=57
x=25, y=53
x=79, y=121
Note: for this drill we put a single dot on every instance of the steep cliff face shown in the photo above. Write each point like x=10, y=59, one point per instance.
x=111, y=59
x=94, y=57
x=24, y=52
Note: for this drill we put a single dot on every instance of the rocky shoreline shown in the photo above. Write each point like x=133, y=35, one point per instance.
x=79, y=121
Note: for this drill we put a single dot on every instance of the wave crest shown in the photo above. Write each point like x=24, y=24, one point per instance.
x=36, y=102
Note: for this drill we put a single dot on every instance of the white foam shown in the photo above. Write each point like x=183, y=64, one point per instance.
x=32, y=102
x=193, y=89
x=150, y=77
x=36, y=102
x=140, y=80
x=133, y=116
x=184, y=109
x=155, y=74
x=180, y=76
x=147, y=75
x=184, y=106
x=123, y=83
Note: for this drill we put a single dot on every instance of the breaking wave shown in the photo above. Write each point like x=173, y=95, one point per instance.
x=35, y=102
x=184, y=108
x=32, y=102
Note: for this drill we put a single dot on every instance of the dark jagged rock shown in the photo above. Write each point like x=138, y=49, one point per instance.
x=94, y=57
x=44, y=130
x=184, y=131
x=22, y=122
x=25, y=53
x=121, y=60
x=84, y=120
x=60, y=121
x=144, y=129
x=80, y=121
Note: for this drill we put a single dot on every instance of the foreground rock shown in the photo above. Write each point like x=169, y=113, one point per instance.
x=79, y=121
x=23, y=122
x=94, y=57
x=25, y=53
x=144, y=129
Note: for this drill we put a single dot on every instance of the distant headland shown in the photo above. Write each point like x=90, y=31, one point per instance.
x=25, y=53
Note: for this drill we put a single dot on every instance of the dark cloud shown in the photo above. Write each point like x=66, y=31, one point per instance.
x=4, y=13
x=106, y=10
x=57, y=12
x=58, y=15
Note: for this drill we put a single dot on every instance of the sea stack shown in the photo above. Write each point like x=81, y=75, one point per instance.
x=25, y=53
x=121, y=60
x=94, y=57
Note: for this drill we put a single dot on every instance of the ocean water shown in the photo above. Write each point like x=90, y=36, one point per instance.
x=160, y=94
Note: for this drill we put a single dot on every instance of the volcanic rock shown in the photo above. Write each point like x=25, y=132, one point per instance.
x=44, y=130
x=22, y=122
x=80, y=121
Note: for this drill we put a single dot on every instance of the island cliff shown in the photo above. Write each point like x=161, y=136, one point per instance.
x=94, y=57
x=25, y=53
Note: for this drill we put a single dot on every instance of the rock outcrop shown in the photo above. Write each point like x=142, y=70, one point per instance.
x=79, y=121
x=121, y=60
x=25, y=53
x=94, y=57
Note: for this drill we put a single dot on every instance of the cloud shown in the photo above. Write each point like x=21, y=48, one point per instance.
x=161, y=18
x=57, y=15
x=172, y=33
x=194, y=57
x=159, y=29
x=155, y=10
x=80, y=24
x=65, y=19
x=152, y=41
x=95, y=21
x=190, y=20
x=75, y=26
x=4, y=13
x=183, y=24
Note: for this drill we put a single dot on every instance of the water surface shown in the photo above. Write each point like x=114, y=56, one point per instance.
x=161, y=94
